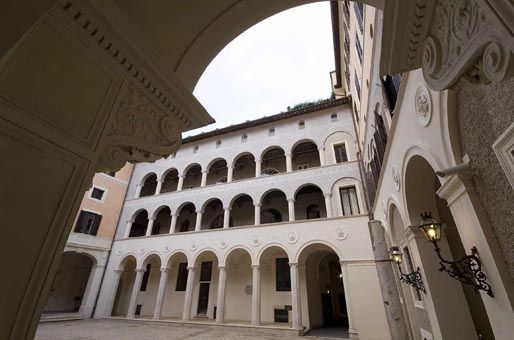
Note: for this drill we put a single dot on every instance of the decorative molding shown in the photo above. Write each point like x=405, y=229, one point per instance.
x=396, y=177
x=292, y=237
x=504, y=149
x=141, y=250
x=256, y=241
x=193, y=245
x=138, y=132
x=167, y=248
x=466, y=41
x=423, y=105
x=223, y=243
x=341, y=234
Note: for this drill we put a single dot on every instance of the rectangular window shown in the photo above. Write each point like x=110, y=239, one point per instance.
x=88, y=223
x=410, y=268
x=358, y=47
x=181, y=277
x=340, y=152
x=146, y=275
x=281, y=315
x=357, y=85
x=271, y=132
x=333, y=118
x=283, y=274
x=97, y=194
x=349, y=201
x=111, y=173
x=206, y=271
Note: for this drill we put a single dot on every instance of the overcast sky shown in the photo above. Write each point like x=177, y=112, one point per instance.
x=283, y=60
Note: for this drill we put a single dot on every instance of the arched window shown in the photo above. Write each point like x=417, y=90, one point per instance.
x=149, y=186
x=218, y=144
x=313, y=212
x=244, y=138
x=271, y=216
x=333, y=117
x=301, y=125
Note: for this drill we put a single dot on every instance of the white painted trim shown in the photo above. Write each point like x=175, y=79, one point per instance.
x=340, y=141
x=104, y=195
x=504, y=149
x=426, y=335
x=358, y=192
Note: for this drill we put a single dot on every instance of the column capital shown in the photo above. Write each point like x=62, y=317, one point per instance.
x=151, y=218
x=321, y=147
x=139, y=185
x=290, y=199
x=257, y=204
x=256, y=266
x=205, y=172
x=181, y=176
x=98, y=266
x=165, y=270
x=118, y=271
x=227, y=208
x=327, y=194
x=199, y=211
x=140, y=270
x=222, y=267
x=191, y=269
x=293, y=264
x=174, y=214
x=288, y=155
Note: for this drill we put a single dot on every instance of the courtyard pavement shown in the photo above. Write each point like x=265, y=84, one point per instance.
x=141, y=330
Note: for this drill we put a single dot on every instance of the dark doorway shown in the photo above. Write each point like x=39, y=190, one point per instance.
x=205, y=285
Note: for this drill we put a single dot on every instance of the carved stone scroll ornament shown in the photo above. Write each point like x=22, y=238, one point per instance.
x=138, y=132
x=466, y=41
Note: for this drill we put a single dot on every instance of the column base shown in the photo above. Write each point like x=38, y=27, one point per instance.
x=256, y=324
x=353, y=334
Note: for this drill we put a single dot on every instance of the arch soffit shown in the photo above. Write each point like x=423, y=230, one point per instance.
x=268, y=148
x=189, y=166
x=239, y=155
x=136, y=213
x=210, y=200
x=412, y=151
x=333, y=132
x=146, y=176
x=232, y=250
x=158, y=210
x=233, y=199
x=261, y=198
x=393, y=203
x=167, y=171
x=298, y=142
x=312, y=243
x=204, y=251
x=182, y=205
x=127, y=257
x=269, y=246
x=318, y=186
x=85, y=253
x=149, y=256
x=175, y=253
x=211, y=163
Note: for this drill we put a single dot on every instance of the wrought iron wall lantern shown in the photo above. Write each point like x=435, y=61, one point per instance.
x=467, y=269
x=413, y=279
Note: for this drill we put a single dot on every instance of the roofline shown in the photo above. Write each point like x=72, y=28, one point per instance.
x=334, y=11
x=265, y=120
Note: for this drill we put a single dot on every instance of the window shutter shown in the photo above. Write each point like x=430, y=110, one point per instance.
x=96, y=225
x=80, y=222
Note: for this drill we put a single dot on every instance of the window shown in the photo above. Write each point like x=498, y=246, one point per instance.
x=358, y=47
x=206, y=271
x=111, y=173
x=173, y=155
x=88, y=223
x=357, y=85
x=349, y=201
x=283, y=274
x=340, y=153
x=281, y=315
x=271, y=216
x=333, y=117
x=410, y=268
x=184, y=226
x=97, y=194
x=218, y=144
x=301, y=125
x=271, y=132
x=356, y=111
x=181, y=278
x=244, y=138
x=195, y=149
x=359, y=9
x=146, y=275
x=302, y=167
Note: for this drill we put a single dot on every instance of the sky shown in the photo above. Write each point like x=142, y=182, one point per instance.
x=283, y=60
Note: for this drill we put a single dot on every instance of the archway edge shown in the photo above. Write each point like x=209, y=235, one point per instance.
x=313, y=243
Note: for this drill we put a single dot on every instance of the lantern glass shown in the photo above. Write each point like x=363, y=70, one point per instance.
x=430, y=227
x=396, y=254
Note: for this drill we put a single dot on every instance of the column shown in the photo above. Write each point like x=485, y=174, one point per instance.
x=112, y=296
x=220, y=306
x=258, y=168
x=230, y=174
x=93, y=284
x=180, y=184
x=150, y=226
x=135, y=292
x=204, y=178
x=328, y=204
x=289, y=162
x=321, y=150
x=159, y=187
x=198, y=220
x=138, y=190
x=348, y=295
x=173, y=224
x=257, y=217
x=290, y=206
x=295, y=296
x=160, y=293
x=127, y=229
x=256, y=295
x=226, y=217
x=186, y=311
